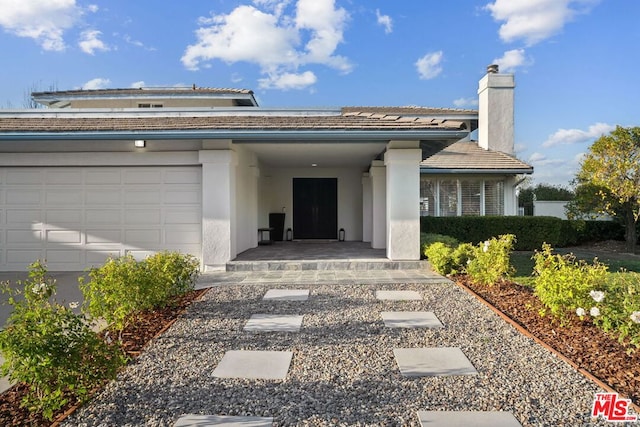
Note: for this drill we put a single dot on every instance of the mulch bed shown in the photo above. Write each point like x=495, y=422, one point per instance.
x=135, y=337
x=586, y=346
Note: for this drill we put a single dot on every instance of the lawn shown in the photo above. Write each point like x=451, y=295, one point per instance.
x=523, y=263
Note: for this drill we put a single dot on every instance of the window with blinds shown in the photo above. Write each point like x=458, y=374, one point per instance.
x=493, y=198
x=454, y=197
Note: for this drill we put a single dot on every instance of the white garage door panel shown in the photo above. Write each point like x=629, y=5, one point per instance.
x=75, y=218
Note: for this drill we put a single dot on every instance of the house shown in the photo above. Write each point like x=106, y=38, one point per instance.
x=199, y=170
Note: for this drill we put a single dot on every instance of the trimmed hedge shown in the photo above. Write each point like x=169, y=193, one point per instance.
x=530, y=231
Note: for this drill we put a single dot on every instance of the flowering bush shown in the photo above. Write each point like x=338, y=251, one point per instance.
x=122, y=287
x=617, y=309
x=52, y=349
x=440, y=257
x=563, y=283
x=490, y=261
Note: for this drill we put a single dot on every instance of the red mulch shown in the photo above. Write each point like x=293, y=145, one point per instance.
x=135, y=337
x=580, y=341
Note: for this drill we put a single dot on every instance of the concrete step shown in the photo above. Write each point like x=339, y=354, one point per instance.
x=299, y=265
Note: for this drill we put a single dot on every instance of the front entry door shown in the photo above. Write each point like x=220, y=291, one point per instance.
x=315, y=208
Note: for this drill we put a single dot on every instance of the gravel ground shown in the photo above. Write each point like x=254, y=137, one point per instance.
x=343, y=370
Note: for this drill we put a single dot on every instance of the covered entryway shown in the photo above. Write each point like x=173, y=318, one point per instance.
x=315, y=208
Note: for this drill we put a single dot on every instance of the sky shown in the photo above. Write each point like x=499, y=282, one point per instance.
x=575, y=61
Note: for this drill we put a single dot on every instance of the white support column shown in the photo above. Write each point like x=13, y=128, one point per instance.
x=510, y=197
x=367, y=208
x=377, y=172
x=403, y=203
x=218, y=207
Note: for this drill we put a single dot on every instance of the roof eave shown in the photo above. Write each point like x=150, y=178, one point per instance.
x=247, y=134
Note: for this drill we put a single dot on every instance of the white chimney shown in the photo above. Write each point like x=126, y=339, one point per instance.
x=495, y=111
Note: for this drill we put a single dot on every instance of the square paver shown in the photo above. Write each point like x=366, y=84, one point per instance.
x=467, y=418
x=287, y=295
x=398, y=295
x=433, y=362
x=411, y=319
x=273, y=323
x=222, y=420
x=249, y=364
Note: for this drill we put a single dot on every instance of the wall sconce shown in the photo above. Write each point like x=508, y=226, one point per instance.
x=140, y=143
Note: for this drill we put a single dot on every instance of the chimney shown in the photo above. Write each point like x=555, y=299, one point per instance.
x=495, y=111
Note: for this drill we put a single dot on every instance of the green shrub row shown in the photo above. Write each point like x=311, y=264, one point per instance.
x=122, y=287
x=570, y=287
x=485, y=263
x=53, y=349
x=530, y=232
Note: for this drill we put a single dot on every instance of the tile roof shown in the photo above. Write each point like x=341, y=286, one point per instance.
x=410, y=110
x=468, y=156
x=159, y=121
x=145, y=91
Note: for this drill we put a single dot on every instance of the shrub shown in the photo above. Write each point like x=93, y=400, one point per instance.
x=52, y=349
x=461, y=257
x=563, y=283
x=490, y=261
x=440, y=257
x=122, y=287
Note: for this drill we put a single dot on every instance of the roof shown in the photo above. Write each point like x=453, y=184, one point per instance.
x=467, y=156
x=53, y=121
x=145, y=91
x=62, y=98
x=412, y=110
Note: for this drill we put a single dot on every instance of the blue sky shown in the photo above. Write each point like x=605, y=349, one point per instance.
x=576, y=61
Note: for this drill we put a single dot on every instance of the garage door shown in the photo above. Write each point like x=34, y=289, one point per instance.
x=75, y=218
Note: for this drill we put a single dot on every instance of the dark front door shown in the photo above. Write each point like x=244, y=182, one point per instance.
x=315, y=208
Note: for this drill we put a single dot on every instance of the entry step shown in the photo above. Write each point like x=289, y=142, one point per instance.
x=359, y=265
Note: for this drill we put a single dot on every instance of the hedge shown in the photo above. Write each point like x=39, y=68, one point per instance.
x=530, y=231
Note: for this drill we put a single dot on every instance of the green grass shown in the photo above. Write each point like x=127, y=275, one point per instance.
x=523, y=265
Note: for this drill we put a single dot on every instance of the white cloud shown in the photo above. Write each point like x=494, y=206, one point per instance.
x=537, y=157
x=279, y=43
x=45, y=21
x=575, y=136
x=90, y=42
x=97, y=83
x=465, y=102
x=138, y=84
x=385, y=21
x=429, y=65
x=535, y=20
x=288, y=81
x=127, y=38
x=511, y=60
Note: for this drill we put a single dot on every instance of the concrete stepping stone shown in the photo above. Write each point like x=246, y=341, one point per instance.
x=467, y=419
x=398, y=295
x=287, y=295
x=222, y=420
x=249, y=364
x=432, y=362
x=411, y=319
x=273, y=323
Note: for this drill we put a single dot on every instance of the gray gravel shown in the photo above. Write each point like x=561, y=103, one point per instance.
x=343, y=370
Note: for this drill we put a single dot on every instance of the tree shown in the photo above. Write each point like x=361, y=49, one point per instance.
x=608, y=181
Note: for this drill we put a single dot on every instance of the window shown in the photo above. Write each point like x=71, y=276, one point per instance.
x=457, y=197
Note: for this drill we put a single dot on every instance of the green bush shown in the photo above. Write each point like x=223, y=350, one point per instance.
x=490, y=261
x=530, y=232
x=52, y=349
x=122, y=287
x=440, y=257
x=563, y=283
x=461, y=257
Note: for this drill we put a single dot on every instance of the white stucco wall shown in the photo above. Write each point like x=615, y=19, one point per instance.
x=276, y=192
x=549, y=208
x=246, y=199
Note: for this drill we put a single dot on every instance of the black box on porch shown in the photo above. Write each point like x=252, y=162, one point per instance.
x=276, y=221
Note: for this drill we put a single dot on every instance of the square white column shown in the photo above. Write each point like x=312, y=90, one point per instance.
x=403, y=203
x=367, y=208
x=378, y=176
x=218, y=207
